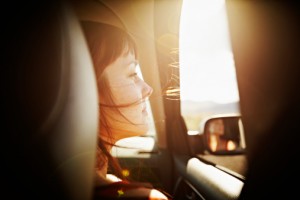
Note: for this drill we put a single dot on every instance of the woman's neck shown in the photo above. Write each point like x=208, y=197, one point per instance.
x=103, y=171
x=103, y=178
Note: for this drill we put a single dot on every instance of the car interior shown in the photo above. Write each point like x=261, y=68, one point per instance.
x=52, y=120
x=51, y=102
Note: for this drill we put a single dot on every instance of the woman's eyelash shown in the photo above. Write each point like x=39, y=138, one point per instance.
x=133, y=74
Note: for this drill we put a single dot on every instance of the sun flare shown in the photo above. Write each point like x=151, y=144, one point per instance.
x=207, y=65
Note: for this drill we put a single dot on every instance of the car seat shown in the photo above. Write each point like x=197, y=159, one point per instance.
x=50, y=104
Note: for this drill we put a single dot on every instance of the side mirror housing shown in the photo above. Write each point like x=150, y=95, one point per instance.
x=224, y=135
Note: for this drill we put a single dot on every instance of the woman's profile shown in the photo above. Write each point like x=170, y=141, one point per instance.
x=122, y=107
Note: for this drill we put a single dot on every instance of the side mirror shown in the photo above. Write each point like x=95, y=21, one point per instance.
x=224, y=135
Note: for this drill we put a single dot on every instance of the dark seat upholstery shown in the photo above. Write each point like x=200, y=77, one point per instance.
x=50, y=105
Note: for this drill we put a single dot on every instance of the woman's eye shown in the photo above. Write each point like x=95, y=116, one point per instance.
x=134, y=76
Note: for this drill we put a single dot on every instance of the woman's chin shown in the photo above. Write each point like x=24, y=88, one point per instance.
x=138, y=130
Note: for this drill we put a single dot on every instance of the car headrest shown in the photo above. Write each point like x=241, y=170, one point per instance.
x=50, y=105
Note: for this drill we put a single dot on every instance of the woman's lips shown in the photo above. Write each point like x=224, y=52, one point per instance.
x=145, y=110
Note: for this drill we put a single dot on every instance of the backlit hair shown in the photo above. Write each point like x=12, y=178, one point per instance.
x=106, y=43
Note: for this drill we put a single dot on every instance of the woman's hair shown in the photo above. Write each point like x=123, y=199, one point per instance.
x=106, y=43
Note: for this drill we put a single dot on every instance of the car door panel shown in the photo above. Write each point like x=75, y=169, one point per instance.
x=207, y=180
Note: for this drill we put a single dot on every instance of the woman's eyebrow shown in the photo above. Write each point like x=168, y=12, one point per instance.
x=135, y=62
x=132, y=63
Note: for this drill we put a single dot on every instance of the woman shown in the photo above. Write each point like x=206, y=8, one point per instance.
x=123, y=113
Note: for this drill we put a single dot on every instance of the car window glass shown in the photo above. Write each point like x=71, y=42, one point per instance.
x=207, y=74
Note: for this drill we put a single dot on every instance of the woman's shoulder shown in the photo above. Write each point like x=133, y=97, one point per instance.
x=128, y=190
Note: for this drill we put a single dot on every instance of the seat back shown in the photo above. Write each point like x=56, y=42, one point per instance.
x=50, y=105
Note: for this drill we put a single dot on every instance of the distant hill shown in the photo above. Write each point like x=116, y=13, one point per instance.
x=192, y=107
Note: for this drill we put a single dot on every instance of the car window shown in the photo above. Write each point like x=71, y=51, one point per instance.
x=207, y=74
x=208, y=84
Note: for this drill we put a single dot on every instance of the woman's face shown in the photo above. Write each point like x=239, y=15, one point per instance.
x=129, y=93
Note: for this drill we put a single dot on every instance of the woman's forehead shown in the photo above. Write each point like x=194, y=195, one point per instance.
x=129, y=60
x=121, y=64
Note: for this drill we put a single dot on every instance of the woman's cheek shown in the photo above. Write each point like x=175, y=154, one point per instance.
x=133, y=114
x=126, y=94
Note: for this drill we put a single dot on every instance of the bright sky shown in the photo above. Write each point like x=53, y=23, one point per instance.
x=207, y=68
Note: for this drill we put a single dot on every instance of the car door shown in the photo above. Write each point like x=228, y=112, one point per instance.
x=168, y=157
x=265, y=41
x=201, y=174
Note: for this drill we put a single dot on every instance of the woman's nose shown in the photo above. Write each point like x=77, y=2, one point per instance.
x=147, y=90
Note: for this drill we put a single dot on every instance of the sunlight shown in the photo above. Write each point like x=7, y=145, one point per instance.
x=208, y=172
x=151, y=131
x=207, y=65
